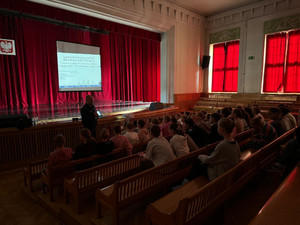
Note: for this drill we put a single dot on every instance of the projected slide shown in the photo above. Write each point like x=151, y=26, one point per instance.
x=79, y=67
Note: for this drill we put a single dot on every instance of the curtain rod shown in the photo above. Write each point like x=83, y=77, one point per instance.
x=51, y=21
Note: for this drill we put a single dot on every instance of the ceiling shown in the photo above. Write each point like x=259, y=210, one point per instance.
x=212, y=7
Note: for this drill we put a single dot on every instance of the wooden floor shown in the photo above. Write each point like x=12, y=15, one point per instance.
x=19, y=206
x=16, y=207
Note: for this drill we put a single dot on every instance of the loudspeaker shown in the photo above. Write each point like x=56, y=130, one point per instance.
x=156, y=106
x=205, y=61
x=20, y=121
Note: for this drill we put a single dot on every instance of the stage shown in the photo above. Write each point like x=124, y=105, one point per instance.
x=66, y=112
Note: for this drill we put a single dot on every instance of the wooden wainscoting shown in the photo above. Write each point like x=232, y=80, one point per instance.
x=186, y=101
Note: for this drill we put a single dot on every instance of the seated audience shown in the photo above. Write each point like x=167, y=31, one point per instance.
x=239, y=124
x=61, y=154
x=178, y=142
x=291, y=154
x=265, y=133
x=225, y=112
x=173, y=120
x=124, y=127
x=250, y=114
x=143, y=132
x=87, y=145
x=105, y=145
x=135, y=126
x=287, y=118
x=277, y=122
x=214, y=135
x=245, y=117
x=225, y=156
x=132, y=136
x=199, y=136
x=120, y=141
x=159, y=149
x=256, y=112
x=165, y=127
x=201, y=123
x=178, y=118
x=154, y=121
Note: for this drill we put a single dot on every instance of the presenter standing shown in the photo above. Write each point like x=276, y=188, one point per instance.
x=89, y=115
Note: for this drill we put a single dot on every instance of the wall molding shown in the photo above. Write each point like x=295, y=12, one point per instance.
x=152, y=14
x=254, y=10
x=226, y=35
x=282, y=24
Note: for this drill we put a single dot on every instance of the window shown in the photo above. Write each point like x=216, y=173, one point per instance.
x=282, y=63
x=225, y=67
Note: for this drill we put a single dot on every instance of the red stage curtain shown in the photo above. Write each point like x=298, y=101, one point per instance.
x=130, y=58
x=30, y=77
x=274, y=65
x=225, y=67
x=218, y=67
x=135, y=64
x=232, y=67
x=292, y=81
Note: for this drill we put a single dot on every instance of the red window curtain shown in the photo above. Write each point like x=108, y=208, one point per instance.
x=218, y=67
x=225, y=67
x=274, y=65
x=231, y=67
x=292, y=81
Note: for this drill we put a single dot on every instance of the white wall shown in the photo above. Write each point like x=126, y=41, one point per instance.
x=189, y=76
x=251, y=21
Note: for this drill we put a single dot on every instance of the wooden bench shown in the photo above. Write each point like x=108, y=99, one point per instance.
x=56, y=175
x=197, y=200
x=132, y=189
x=283, y=206
x=244, y=137
x=127, y=191
x=87, y=181
x=34, y=171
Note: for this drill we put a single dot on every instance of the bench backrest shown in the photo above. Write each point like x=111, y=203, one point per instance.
x=271, y=150
x=37, y=167
x=155, y=178
x=205, y=200
x=196, y=207
x=66, y=170
x=244, y=137
x=108, y=173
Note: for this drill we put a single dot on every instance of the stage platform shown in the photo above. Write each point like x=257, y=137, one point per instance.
x=66, y=112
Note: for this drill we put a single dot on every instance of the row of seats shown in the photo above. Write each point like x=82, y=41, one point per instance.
x=123, y=178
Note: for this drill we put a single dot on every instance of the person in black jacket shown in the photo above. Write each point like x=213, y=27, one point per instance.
x=199, y=136
x=89, y=115
x=105, y=145
x=214, y=135
x=87, y=145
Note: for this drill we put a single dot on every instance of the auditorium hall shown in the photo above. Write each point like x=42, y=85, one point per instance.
x=155, y=112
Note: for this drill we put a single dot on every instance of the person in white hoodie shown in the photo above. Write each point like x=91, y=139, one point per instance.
x=179, y=142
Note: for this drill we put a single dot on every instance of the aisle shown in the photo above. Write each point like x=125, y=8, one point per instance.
x=16, y=207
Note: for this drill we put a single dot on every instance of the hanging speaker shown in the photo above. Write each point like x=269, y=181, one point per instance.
x=205, y=61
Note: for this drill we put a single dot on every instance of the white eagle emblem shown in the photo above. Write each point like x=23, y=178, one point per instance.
x=6, y=46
